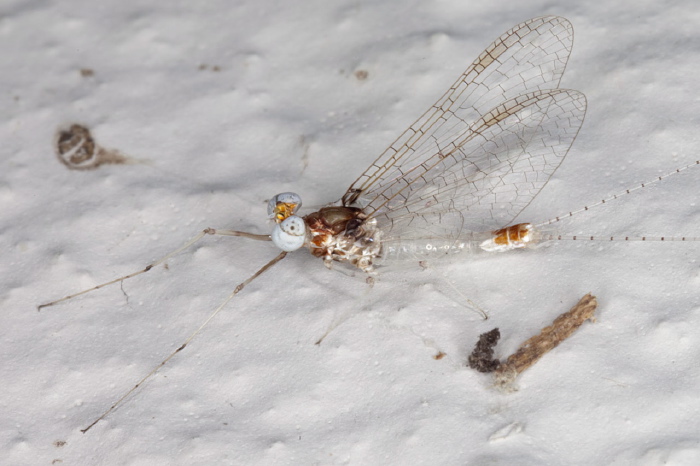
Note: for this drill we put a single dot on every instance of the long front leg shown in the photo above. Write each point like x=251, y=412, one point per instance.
x=240, y=286
x=208, y=231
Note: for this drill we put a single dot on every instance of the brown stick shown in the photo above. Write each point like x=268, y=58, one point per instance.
x=549, y=338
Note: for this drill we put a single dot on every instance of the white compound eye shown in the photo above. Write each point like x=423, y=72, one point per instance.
x=283, y=205
x=290, y=234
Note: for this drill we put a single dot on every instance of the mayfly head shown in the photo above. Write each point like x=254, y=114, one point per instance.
x=283, y=205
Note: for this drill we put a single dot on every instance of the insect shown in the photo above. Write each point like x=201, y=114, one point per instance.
x=457, y=179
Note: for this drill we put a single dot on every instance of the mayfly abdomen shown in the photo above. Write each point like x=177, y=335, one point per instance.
x=506, y=239
x=423, y=249
x=509, y=238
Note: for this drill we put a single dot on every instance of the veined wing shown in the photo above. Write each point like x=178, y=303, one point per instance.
x=483, y=178
x=531, y=56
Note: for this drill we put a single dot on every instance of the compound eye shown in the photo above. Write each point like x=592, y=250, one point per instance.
x=290, y=234
x=283, y=205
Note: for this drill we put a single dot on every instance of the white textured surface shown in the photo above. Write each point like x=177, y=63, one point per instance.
x=286, y=112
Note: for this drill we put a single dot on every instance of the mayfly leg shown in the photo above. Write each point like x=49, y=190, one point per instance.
x=208, y=231
x=238, y=288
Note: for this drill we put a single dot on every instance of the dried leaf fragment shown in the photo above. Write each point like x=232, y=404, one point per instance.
x=77, y=150
x=482, y=358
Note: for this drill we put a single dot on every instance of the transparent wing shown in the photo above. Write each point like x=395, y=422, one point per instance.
x=482, y=180
x=466, y=138
x=531, y=56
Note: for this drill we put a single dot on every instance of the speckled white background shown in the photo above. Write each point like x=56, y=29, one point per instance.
x=286, y=112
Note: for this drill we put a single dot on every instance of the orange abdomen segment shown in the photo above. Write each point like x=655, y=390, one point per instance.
x=519, y=233
x=512, y=237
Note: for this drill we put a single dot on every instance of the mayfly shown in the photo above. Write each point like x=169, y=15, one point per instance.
x=457, y=179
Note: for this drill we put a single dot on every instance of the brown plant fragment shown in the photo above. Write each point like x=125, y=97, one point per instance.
x=550, y=337
x=361, y=75
x=77, y=150
x=481, y=358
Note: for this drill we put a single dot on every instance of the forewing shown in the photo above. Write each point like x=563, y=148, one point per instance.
x=482, y=179
x=531, y=56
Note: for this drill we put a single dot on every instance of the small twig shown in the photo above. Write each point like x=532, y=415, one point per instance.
x=549, y=338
